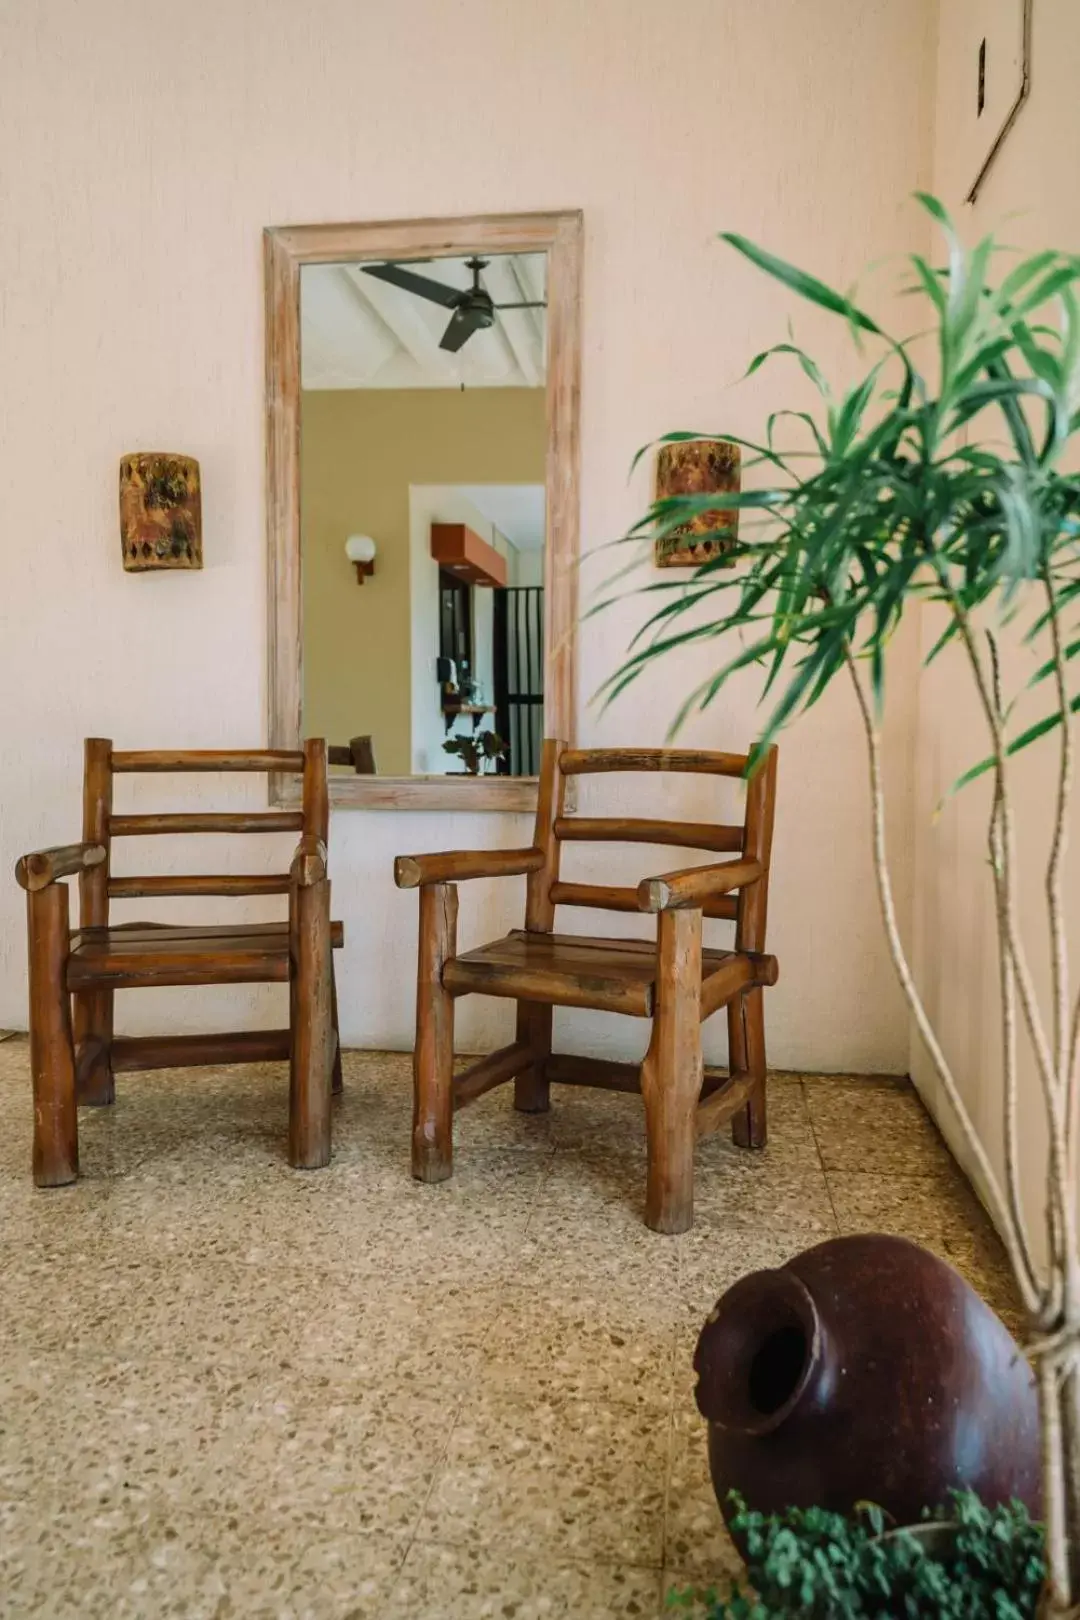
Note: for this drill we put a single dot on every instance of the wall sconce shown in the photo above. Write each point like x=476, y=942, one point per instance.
x=360, y=550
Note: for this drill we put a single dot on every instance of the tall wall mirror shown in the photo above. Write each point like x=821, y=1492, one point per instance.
x=422, y=419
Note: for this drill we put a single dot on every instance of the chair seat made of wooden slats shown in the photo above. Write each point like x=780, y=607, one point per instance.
x=675, y=982
x=74, y=976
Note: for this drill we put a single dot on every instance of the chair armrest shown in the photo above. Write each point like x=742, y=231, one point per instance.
x=44, y=866
x=415, y=871
x=309, y=862
x=696, y=884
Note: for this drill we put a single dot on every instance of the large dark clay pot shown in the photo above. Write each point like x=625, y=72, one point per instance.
x=865, y=1369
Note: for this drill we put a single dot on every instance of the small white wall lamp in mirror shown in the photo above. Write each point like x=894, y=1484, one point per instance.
x=360, y=550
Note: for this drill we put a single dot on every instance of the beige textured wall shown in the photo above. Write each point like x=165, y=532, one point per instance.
x=360, y=451
x=1030, y=198
x=136, y=181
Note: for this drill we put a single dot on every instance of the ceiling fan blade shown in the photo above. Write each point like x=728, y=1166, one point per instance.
x=539, y=304
x=422, y=286
x=463, y=323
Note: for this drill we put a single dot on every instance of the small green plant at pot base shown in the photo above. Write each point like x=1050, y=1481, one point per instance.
x=950, y=488
x=816, y=1565
x=476, y=751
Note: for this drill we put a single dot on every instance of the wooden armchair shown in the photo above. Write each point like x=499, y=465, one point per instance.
x=76, y=1063
x=675, y=982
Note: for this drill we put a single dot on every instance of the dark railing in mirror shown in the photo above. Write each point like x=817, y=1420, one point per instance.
x=518, y=634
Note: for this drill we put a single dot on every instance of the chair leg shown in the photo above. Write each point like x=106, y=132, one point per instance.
x=52, y=1053
x=532, y=1091
x=433, y=1057
x=672, y=1074
x=93, y=1020
x=337, y=1084
x=311, y=1062
x=746, y=1053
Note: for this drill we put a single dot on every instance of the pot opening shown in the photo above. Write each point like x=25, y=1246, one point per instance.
x=777, y=1368
x=757, y=1352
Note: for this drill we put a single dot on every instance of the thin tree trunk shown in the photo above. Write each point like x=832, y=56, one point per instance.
x=1059, y=1396
x=999, y=1207
x=1053, y=1313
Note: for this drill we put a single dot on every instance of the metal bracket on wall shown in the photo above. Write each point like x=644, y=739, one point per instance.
x=1014, y=110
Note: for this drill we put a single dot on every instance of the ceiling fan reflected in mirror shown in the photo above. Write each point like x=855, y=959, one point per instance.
x=474, y=308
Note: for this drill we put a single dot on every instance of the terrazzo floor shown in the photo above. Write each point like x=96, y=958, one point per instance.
x=231, y=1389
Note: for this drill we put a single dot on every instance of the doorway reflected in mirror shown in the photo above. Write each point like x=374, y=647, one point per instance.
x=423, y=433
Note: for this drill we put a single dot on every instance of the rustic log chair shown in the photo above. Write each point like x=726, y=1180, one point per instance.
x=74, y=1061
x=675, y=983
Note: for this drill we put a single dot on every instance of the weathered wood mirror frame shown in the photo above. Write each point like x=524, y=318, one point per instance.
x=286, y=250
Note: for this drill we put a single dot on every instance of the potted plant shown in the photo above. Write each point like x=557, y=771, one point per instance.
x=475, y=751
x=948, y=488
x=968, y=1560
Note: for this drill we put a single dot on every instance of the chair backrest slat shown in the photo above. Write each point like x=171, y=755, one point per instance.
x=100, y=825
x=266, y=760
x=623, y=830
x=752, y=840
x=142, y=888
x=583, y=761
x=262, y=821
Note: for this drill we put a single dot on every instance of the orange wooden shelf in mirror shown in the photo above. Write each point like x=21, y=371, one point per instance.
x=457, y=548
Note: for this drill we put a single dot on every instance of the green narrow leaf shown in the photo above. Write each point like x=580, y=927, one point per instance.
x=799, y=281
x=930, y=281
x=1049, y=722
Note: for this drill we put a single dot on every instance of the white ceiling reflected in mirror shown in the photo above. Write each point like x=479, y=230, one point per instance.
x=424, y=519
x=360, y=330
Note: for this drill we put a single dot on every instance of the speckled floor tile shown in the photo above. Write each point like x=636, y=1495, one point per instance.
x=132, y=1562
x=876, y=1128
x=764, y=1199
x=230, y=1388
x=120, y=1432
x=280, y=1445
x=338, y=1219
x=943, y=1214
x=791, y=1143
x=48, y=1239
x=472, y=1583
x=327, y=1464
x=583, y=1477
x=580, y=1116
x=346, y=1327
x=610, y=1251
x=567, y=1339
x=588, y=1227
x=695, y=1540
x=710, y=1261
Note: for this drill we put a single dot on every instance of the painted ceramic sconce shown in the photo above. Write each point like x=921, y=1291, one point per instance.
x=160, y=511
x=699, y=467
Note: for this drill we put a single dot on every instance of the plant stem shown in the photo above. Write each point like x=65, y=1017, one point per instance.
x=1008, y=1007
x=1008, y=848
x=1059, y=961
x=1061, y=1215
x=1059, y=1370
x=999, y=1207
